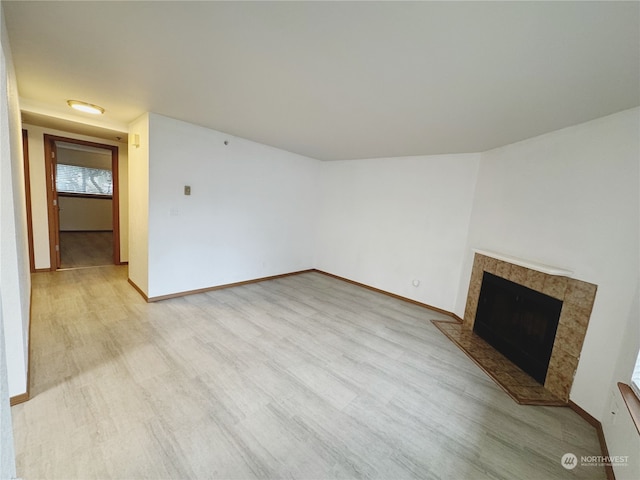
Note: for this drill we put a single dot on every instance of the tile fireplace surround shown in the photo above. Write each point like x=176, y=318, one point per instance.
x=577, y=297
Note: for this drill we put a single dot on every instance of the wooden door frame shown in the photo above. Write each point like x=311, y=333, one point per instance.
x=27, y=199
x=52, y=203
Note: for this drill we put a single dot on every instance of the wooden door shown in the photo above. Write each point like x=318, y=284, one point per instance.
x=52, y=201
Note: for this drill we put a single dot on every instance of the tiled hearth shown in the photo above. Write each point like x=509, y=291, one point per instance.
x=520, y=386
x=577, y=297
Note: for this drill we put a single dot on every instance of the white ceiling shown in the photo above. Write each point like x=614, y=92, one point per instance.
x=336, y=80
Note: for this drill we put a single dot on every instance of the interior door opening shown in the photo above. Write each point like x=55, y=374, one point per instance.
x=82, y=191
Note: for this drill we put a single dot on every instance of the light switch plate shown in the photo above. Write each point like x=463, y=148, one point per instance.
x=187, y=190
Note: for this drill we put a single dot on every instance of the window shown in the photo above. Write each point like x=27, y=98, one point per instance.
x=83, y=180
x=635, y=377
x=631, y=394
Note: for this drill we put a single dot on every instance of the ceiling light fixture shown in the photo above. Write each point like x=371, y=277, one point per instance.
x=85, y=107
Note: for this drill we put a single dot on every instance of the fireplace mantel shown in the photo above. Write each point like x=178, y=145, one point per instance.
x=540, y=267
x=577, y=297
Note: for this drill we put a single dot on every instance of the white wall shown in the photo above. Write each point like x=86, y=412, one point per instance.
x=386, y=222
x=123, y=205
x=570, y=199
x=14, y=262
x=621, y=434
x=139, y=204
x=39, y=192
x=15, y=280
x=250, y=213
x=7, y=452
x=85, y=214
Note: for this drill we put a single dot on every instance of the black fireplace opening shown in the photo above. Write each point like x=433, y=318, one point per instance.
x=518, y=322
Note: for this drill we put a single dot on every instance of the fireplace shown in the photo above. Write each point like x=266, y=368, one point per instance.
x=576, y=299
x=518, y=322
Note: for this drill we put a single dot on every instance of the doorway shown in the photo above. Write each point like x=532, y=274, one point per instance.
x=82, y=194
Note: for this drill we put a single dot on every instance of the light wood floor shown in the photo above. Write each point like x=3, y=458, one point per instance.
x=302, y=377
x=86, y=249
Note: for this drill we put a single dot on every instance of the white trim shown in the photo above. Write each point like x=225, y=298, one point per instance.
x=562, y=272
x=635, y=377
